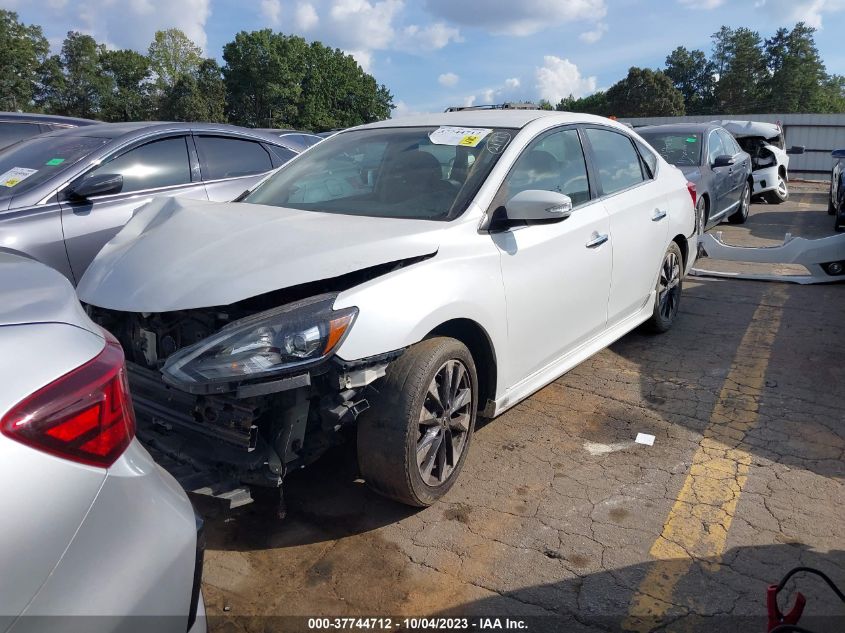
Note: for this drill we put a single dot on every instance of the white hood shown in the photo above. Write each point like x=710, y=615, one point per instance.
x=751, y=128
x=179, y=254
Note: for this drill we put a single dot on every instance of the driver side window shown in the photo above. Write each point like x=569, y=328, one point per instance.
x=554, y=162
x=715, y=148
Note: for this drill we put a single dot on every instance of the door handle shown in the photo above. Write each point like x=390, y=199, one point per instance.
x=659, y=214
x=597, y=240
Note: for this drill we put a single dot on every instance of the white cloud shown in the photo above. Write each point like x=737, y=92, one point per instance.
x=305, y=18
x=448, y=79
x=363, y=57
x=272, y=11
x=702, y=4
x=810, y=11
x=432, y=37
x=558, y=78
x=403, y=109
x=512, y=83
x=469, y=101
x=594, y=35
x=516, y=17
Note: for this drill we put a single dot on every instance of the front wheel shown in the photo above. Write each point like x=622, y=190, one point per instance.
x=668, y=296
x=413, y=442
x=741, y=214
x=778, y=194
x=701, y=216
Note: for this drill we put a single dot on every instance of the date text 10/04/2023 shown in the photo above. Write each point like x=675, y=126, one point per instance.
x=416, y=624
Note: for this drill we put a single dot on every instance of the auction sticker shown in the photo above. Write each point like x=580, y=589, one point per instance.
x=465, y=136
x=15, y=175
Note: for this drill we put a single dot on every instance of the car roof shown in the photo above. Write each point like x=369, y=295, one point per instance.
x=679, y=127
x=32, y=117
x=485, y=118
x=132, y=129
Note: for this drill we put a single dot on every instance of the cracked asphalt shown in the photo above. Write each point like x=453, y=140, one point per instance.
x=561, y=518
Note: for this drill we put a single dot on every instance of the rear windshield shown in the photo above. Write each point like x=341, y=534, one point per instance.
x=424, y=173
x=678, y=148
x=27, y=164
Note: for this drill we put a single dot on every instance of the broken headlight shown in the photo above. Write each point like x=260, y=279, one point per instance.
x=263, y=344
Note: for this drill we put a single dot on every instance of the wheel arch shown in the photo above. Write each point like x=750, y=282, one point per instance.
x=682, y=243
x=478, y=341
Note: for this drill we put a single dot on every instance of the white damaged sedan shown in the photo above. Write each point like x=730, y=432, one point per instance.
x=397, y=280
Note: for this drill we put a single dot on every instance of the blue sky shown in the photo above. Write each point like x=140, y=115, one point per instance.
x=435, y=53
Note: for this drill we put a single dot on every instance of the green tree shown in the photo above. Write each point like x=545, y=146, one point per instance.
x=198, y=96
x=172, y=56
x=276, y=80
x=595, y=103
x=130, y=97
x=798, y=75
x=739, y=55
x=545, y=104
x=694, y=76
x=644, y=92
x=23, y=49
x=73, y=83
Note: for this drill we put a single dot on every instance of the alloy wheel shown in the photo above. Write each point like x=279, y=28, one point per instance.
x=444, y=423
x=783, y=192
x=701, y=215
x=669, y=288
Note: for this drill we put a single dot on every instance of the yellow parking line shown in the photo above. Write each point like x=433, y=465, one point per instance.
x=698, y=523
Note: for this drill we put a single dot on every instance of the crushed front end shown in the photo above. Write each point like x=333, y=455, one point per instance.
x=233, y=397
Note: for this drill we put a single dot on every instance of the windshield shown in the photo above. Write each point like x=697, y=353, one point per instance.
x=681, y=149
x=424, y=173
x=27, y=164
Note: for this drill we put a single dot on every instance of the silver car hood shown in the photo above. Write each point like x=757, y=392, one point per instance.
x=179, y=254
x=31, y=292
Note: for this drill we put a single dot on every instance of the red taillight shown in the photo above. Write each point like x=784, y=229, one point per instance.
x=692, y=192
x=85, y=416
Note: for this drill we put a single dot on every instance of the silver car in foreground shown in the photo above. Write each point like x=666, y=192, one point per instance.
x=95, y=534
x=65, y=194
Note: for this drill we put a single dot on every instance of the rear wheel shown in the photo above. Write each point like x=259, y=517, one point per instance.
x=839, y=220
x=778, y=194
x=413, y=442
x=669, y=284
x=741, y=214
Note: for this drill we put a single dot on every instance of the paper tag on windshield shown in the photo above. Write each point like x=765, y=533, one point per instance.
x=466, y=136
x=15, y=175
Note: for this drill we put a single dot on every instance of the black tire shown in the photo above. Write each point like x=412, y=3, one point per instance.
x=839, y=220
x=701, y=215
x=741, y=214
x=390, y=433
x=778, y=195
x=662, y=318
x=831, y=208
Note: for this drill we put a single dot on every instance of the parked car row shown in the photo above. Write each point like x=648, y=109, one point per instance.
x=392, y=283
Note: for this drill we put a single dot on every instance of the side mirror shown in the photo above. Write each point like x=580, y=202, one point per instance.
x=536, y=205
x=724, y=161
x=99, y=185
x=796, y=150
x=838, y=153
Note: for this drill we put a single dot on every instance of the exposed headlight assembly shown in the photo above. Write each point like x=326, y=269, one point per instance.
x=259, y=346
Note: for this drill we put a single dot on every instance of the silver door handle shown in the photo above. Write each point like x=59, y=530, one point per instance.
x=597, y=240
x=659, y=214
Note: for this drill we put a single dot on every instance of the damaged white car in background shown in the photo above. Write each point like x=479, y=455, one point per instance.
x=397, y=279
x=769, y=158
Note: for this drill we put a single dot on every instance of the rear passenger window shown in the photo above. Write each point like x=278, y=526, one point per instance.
x=649, y=158
x=554, y=162
x=728, y=142
x=716, y=148
x=616, y=159
x=222, y=157
x=157, y=164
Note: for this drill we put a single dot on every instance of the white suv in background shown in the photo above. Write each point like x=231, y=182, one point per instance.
x=400, y=277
